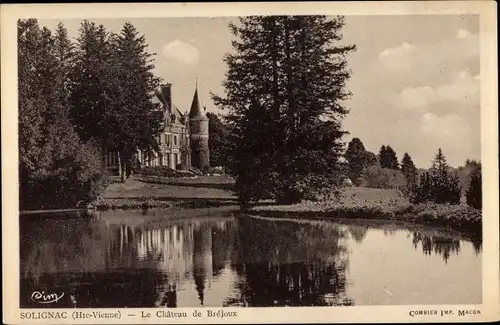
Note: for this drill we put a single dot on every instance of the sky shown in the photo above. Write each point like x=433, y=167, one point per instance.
x=415, y=79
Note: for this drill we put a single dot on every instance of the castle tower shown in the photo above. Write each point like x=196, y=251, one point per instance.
x=198, y=124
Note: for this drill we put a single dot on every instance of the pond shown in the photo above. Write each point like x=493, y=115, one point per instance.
x=218, y=257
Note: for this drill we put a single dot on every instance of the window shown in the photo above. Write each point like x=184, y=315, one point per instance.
x=159, y=139
x=175, y=140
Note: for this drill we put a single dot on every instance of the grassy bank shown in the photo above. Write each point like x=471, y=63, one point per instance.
x=379, y=204
x=355, y=203
x=160, y=192
x=164, y=203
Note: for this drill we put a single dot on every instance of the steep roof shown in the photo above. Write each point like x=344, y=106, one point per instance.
x=195, y=111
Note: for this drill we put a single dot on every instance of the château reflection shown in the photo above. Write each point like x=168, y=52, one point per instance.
x=120, y=260
x=180, y=253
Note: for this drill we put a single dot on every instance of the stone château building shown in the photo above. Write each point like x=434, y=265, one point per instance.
x=184, y=142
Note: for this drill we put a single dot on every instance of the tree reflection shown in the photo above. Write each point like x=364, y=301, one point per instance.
x=56, y=245
x=290, y=264
x=478, y=244
x=358, y=232
x=433, y=243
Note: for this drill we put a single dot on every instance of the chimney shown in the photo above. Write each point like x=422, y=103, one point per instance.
x=166, y=90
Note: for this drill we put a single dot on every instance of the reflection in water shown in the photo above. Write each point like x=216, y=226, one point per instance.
x=358, y=232
x=290, y=264
x=209, y=261
x=437, y=244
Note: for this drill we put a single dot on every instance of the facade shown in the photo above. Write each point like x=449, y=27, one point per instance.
x=184, y=142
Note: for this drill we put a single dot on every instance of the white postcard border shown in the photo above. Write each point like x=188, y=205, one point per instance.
x=489, y=309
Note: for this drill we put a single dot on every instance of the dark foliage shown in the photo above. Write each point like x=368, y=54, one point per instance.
x=284, y=91
x=409, y=170
x=217, y=140
x=76, y=102
x=359, y=159
x=474, y=193
x=439, y=185
x=388, y=158
x=56, y=168
x=111, y=90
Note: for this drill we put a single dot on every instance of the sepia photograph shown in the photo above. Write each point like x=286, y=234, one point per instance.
x=250, y=160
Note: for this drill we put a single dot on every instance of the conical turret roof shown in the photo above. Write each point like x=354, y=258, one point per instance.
x=195, y=111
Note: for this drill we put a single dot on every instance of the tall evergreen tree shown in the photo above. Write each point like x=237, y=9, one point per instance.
x=294, y=68
x=112, y=88
x=446, y=184
x=32, y=105
x=408, y=168
x=388, y=158
x=95, y=86
x=138, y=120
x=440, y=184
x=439, y=164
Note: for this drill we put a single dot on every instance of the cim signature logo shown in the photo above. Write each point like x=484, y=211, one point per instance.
x=45, y=298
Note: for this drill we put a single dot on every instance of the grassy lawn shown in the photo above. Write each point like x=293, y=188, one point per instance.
x=219, y=187
x=156, y=192
x=172, y=189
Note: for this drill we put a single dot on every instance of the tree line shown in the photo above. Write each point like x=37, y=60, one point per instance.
x=440, y=184
x=79, y=99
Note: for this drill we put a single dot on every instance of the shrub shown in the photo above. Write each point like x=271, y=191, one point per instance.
x=162, y=171
x=74, y=181
x=378, y=177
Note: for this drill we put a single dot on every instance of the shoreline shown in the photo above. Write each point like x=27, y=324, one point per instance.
x=458, y=218
x=354, y=203
x=161, y=203
x=453, y=217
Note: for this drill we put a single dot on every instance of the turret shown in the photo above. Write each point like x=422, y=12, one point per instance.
x=198, y=124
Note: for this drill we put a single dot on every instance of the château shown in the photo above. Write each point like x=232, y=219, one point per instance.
x=183, y=144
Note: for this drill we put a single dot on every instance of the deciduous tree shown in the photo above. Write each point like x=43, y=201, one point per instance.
x=359, y=159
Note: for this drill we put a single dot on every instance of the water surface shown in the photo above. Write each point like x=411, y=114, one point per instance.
x=215, y=257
